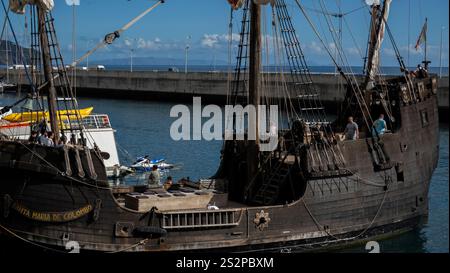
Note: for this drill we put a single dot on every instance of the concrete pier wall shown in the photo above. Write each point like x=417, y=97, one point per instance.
x=181, y=87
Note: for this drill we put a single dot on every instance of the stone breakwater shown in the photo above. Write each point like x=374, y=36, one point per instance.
x=212, y=87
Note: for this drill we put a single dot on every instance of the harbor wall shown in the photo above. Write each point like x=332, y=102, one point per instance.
x=212, y=87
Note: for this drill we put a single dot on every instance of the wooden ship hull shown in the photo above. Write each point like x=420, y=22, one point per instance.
x=327, y=212
x=314, y=191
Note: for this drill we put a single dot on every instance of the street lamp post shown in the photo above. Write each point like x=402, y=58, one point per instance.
x=187, y=55
x=130, y=42
x=186, y=60
x=440, y=52
x=87, y=59
x=131, y=60
x=7, y=53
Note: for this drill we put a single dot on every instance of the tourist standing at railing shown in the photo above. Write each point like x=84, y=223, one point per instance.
x=379, y=126
x=352, y=130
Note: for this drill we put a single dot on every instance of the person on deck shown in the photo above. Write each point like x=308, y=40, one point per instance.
x=352, y=130
x=379, y=126
x=51, y=138
x=33, y=137
x=45, y=139
x=168, y=184
x=421, y=72
x=155, y=178
x=62, y=141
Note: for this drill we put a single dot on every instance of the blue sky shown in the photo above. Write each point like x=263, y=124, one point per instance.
x=163, y=33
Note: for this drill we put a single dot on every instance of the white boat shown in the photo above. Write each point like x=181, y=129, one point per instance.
x=98, y=132
x=5, y=114
x=6, y=86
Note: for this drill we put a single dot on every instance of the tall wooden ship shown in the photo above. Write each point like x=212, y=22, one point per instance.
x=314, y=191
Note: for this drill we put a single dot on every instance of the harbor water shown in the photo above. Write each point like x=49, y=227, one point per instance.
x=143, y=128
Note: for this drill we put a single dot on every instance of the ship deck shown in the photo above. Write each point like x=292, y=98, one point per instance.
x=141, y=199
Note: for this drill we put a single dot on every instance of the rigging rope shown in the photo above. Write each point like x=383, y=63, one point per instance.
x=340, y=14
x=354, y=39
x=17, y=43
x=14, y=234
x=354, y=85
x=61, y=173
x=337, y=239
x=109, y=39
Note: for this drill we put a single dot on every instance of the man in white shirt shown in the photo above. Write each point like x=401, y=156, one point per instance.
x=45, y=139
x=154, y=179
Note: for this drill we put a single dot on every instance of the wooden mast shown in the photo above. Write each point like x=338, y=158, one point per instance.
x=47, y=66
x=254, y=85
x=374, y=30
x=379, y=16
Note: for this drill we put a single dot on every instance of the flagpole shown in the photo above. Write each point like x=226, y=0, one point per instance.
x=426, y=45
x=409, y=33
x=426, y=62
x=440, y=52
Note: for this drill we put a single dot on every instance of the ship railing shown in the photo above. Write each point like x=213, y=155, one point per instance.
x=201, y=219
x=92, y=122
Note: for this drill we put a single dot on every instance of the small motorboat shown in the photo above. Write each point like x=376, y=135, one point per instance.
x=145, y=164
x=120, y=171
x=6, y=87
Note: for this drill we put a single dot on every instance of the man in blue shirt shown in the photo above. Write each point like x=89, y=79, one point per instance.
x=379, y=126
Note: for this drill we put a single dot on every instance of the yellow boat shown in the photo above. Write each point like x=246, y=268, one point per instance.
x=39, y=116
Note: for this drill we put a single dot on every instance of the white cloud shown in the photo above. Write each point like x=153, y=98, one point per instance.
x=156, y=44
x=218, y=40
x=210, y=40
x=127, y=42
x=73, y=2
x=389, y=52
x=353, y=51
x=315, y=48
x=412, y=50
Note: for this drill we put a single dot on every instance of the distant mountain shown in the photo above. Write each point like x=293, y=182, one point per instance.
x=144, y=61
x=14, y=55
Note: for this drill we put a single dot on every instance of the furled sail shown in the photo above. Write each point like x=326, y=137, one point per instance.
x=374, y=59
x=264, y=2
x=19, y=6
x=236, y=4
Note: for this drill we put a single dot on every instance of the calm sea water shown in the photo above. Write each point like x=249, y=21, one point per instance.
x=143, y=128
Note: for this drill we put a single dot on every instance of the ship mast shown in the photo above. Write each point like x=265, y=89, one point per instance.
x=254, y=84
x=377, y=30
x=47, y=67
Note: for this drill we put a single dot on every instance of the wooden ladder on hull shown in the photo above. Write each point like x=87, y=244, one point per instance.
x=270, y=189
